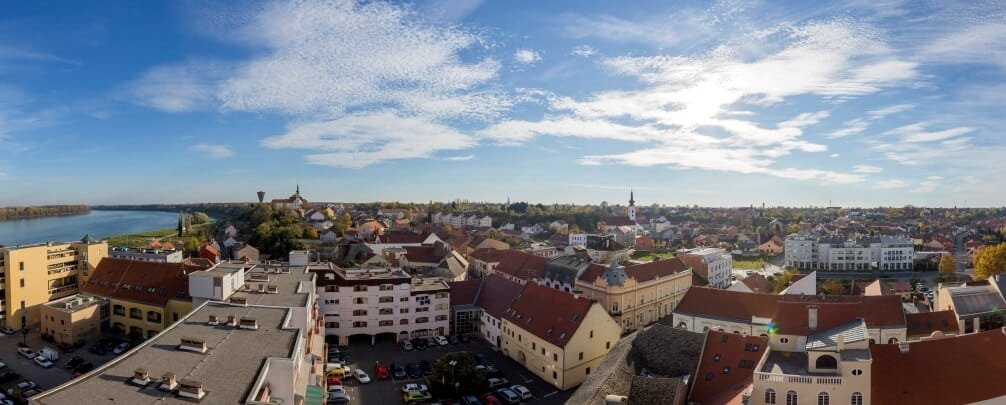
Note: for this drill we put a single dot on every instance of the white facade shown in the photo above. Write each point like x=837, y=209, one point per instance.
x=836, y=254
x=718, y=263
x=490, y=328
x=218, y=282
x=402, y=307
x=300, y=257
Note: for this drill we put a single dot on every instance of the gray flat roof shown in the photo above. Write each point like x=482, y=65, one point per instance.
x=228, y=370
x=224, y=268
x=287, y=286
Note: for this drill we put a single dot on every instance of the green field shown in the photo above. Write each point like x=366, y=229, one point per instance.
x=650, y=256
x=748, y=264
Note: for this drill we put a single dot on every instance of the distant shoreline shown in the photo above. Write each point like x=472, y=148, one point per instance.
x=41, y=211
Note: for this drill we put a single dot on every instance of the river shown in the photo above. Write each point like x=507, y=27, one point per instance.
x=98, y=224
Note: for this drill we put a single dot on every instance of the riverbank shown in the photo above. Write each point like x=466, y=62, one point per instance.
x=187, y=241
x=42, y=211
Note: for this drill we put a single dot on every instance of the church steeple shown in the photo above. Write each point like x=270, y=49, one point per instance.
x=298, y=188
x=632, y=206
x=632, y=201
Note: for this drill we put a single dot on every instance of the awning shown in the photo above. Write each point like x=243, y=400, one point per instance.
x=315, y=395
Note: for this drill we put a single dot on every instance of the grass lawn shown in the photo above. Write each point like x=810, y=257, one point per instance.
x=649, y=256
x=748, y=264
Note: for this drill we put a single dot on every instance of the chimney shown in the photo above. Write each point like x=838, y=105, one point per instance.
x=812, y=317
x=903, y=347
x=840, y=343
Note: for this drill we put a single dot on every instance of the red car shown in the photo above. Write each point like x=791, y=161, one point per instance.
x=490, y=399
x=381, y=372
x=333, y=380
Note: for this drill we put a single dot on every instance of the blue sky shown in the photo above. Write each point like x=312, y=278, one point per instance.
x=730, y=103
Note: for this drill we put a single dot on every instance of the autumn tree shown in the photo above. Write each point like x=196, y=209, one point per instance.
x=990, y=260
x=833, y=287
x=948, y=266
x=311, y=233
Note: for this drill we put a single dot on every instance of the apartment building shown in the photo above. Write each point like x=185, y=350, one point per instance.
x=556, y=335
x=477, y=306
x=375, y=302
x=833, y=253
x=146, y=254
x=713, y=264
x=145, y=297
x=635, y=296
x=32, y=275
x=262, y=346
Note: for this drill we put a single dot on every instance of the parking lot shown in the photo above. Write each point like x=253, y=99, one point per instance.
x=386, y=351
x=45, y=378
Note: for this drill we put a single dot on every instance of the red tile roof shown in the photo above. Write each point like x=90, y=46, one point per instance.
x=641, y=272
x=547, y=313
x=515, y=263
x=401, y=237
x=789, y=313
x=954, y=370
x=925, y=323
x=465, y=292
x=132, y=280
x=726, y=367
x=497, y=293
x=757, y=283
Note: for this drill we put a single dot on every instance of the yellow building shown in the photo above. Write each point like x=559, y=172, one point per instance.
x=639, y=294
x=144, y=297
x=556, y=335
x=33, y=275
x=74, y=318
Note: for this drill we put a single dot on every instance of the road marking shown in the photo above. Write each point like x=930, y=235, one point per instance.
x=549, y=394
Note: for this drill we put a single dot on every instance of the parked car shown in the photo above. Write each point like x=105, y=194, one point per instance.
x=66, y=347
x=23, y=386
x=84, y=367
x=7, y=331
x=453, y=339
x=442, y=341
x=414, y=387
x=381, y=372
x=426, y=367
x=361, y=376
x=43, y=361
x=471, y=400
x=420, y=344
x=523, y=391
x=497, y=382
x=480, y=360
x=333, y=380
x=411, y=397
x=73, y=362
x=406, y=345
x=98, y=349
x=336, y=388
x=339, y=398
x=415, y=371
x=398, y=371
x=121, y=348
x=465, y=339
x=30, y=393
x=490, y=399
x=49, y=353
x=27, y=352
x=8, y=376
x=508, y=395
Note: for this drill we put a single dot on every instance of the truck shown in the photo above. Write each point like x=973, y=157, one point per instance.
x=49, y=353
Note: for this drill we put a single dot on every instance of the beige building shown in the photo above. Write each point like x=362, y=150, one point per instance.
x=635, y=295
x=33, y=275
x=556, y=335
x=74, y=318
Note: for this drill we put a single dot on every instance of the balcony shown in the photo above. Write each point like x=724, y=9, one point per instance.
x=62, y=268
x=797, y=379
x=62, y=289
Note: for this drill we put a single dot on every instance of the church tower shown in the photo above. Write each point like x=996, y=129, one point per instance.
x=632, y=207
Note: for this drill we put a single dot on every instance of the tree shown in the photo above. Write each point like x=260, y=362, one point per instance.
x=342, y=223
x=181, y=224
x=200, y=218
x=948, y=266
x=311, y=233
x=990, y=260
x=833, y=287
x=458, y=379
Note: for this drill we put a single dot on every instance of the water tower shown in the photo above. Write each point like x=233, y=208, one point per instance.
x=261, y=196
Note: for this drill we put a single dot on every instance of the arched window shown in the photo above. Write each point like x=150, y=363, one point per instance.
x=827, y=362
x=892, y=340
x=770, y=396
x=791, y=398
x=857, y=398
x=823, y=398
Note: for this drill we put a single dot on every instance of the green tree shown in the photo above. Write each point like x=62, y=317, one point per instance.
x=342, y=223
x=200, y=218
x=181, y=224
x=948, y=266
x=458, y=379
x=311, y=233
x=991, y=260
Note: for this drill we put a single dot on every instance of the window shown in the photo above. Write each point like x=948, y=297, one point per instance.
x=791, y=398
x=783, y=340
x=117, y=309
x=857, y=399
x=555, y=375
x=387, y=287
x=153, y=317
x=403, y=310
x=823, y=398
x=423, y=299
x=403, y=322
x=555, y=356
x=174, y=317
x=770, y=396
x=22, y=282
x=746, y=364
x=360, y=300
x=359, y=288
x=827, y=362
x=588, y=370
x=403, y=299
x=385, y=323
x=592, y=334
x=359, y=324
x=857, y=371
x=542, y=351
x=386, y=299
x=716, y=357
x=607, y=345
x=21, y=266
x=422, y=319
x=135, y=313
x=359, y=312
x=726, y=370
x=581, y=355
x=751, y=347
x=385, y=311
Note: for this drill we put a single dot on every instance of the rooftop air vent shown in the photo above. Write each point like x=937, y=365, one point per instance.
x=191, y=389
x=213, y=320
x=248, y=323
x=232, y=320
x=193, y=344
x=140, y=377
x=168, y=382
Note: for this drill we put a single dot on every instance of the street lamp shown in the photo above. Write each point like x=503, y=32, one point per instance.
x=454, y=383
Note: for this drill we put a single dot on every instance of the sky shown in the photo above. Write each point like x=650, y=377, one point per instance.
x=729, y=103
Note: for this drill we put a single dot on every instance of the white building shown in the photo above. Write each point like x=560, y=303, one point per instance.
x=146, y=255
x=830, y=253
x=217, y=283
x=715, y=264
x=374, y=302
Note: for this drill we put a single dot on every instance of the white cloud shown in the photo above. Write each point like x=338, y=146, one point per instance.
x=925, y=186
x=894, y=109
x=177, y=88
x=851, y=127
x=691, y=111
x=917, y=133
x=364, y=139
x=834, y=155
x=866, y=169
x=527, y=56
x=890, y=184
x=983, y=43
x=459, y=158
x=585, y=51
x=214, y=151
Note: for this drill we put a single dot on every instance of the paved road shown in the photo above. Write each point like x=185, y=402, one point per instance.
x=45, y=378
x=363, y=355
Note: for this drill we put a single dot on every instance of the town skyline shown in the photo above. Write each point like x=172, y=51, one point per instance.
x=860, y=103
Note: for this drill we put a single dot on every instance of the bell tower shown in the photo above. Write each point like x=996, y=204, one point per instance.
x=632, y=206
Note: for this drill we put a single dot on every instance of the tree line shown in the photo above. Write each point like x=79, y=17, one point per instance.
x=11, y=213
